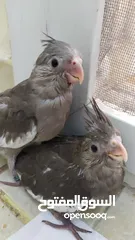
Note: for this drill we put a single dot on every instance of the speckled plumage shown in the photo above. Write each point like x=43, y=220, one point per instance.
x=67, y=166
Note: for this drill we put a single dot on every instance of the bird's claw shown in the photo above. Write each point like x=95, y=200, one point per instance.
x=68, y=225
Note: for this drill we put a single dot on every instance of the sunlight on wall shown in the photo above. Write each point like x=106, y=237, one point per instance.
x=6, y=71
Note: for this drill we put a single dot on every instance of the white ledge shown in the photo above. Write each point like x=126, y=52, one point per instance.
x=122, y=116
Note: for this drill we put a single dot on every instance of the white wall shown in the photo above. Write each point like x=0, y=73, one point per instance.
x=6, y=71
x=4, y=37
x=77, y=22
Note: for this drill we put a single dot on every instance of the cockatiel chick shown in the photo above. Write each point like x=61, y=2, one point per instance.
x=91, y=166
x=36, y=109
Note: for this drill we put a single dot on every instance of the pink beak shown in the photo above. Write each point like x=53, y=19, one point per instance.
x=75, y=71
x=117, y=151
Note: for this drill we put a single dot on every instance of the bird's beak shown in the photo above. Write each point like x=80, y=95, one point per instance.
x=118, y=151
x=75, y=72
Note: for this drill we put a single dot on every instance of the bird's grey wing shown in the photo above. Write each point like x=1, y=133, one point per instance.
x=48, y=175
x=17, y=128
x=66, y=146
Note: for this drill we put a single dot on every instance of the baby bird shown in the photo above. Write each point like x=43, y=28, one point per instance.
x=91, y=166
x=36, y=109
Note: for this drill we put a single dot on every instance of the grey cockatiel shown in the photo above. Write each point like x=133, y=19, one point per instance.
x=91, y=166
x=36, y=109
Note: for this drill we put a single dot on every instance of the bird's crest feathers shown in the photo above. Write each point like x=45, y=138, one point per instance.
x=96, y=120
x=47, y=41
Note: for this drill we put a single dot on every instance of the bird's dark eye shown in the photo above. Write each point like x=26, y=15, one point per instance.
x=94, y=148
x=54, y=62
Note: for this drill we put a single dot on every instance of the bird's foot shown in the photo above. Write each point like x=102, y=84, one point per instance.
x=16, y=178
x=15, y=175
x=11, y=166
x=11, y=184
x=16, y=184
x=67, y=225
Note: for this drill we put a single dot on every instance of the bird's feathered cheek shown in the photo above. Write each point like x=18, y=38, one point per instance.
x=65, y=81
x=72, y=79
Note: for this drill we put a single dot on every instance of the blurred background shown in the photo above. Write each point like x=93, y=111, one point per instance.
x=6, y=70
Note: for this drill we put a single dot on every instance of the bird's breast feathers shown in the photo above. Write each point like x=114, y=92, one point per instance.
x=51, y=116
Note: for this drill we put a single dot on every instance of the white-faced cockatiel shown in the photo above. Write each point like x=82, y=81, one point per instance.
x=91, y=166
x=36, y=109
